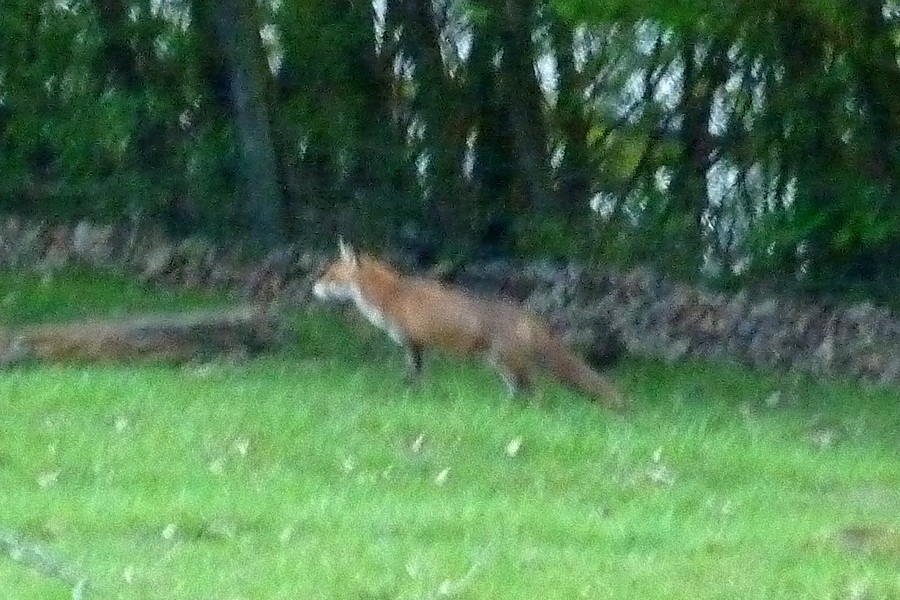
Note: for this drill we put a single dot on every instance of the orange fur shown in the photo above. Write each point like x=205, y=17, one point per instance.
x=420, y=313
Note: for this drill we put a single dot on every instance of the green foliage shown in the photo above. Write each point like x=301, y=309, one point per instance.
x=548, y=238
x=436, y=114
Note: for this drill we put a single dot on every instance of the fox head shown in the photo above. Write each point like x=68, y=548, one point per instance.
x=338, y=282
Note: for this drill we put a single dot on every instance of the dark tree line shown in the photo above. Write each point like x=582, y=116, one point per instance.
x=731, y=140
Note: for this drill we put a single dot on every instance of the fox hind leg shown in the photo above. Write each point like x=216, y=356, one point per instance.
x=517, y=384
x=515, y=373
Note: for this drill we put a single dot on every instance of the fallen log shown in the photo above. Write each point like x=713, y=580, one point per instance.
x=174, y=338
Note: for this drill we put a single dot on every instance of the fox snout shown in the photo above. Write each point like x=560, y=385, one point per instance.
x=320, y=290
x=329, y=290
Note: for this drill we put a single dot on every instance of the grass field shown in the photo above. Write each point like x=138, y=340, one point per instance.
x=317, y=473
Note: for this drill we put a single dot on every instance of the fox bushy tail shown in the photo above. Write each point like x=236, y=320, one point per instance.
x=571, y=370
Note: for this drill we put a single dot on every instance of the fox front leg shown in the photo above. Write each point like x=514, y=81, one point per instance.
x=413, y=361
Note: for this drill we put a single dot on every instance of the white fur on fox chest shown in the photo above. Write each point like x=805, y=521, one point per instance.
x=376, y=316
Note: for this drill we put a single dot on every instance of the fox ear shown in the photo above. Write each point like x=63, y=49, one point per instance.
x=348, y=254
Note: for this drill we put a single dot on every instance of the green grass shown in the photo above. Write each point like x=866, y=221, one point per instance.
x=317, y=474
x=79, y=294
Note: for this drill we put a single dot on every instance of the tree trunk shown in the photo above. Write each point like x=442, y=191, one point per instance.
x=382, y=170
x=812, y=149
x=237, y=37
x=576, y=169
x=118, y=58
x=438, y=100
x=875, y=58
x=494, y=167
x=689, y=191
x=523, y=98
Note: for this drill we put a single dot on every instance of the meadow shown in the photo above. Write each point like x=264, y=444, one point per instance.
x=316, y=472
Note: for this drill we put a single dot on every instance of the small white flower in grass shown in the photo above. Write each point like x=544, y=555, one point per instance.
x=54, y=527
x=859, y=590
x=47, y=479
x=446, y=588
x=514, y=446
x=217, y=467
x=417, y=444
x=219, y=529
x=121, y=424
x=286, y=534
x=169, y=531
x=824, y=438
x=412, y=569
x=441, y=478
x=128, y=574
x=348, y=465
x=661, y=475
x=242, y=446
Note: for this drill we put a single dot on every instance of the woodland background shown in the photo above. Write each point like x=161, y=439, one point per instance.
x=714, y=185
x=732, y=142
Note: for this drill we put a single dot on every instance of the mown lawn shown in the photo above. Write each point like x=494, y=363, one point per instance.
x=316, y=473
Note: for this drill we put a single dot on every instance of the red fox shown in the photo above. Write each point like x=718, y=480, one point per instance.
x=420, y=313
